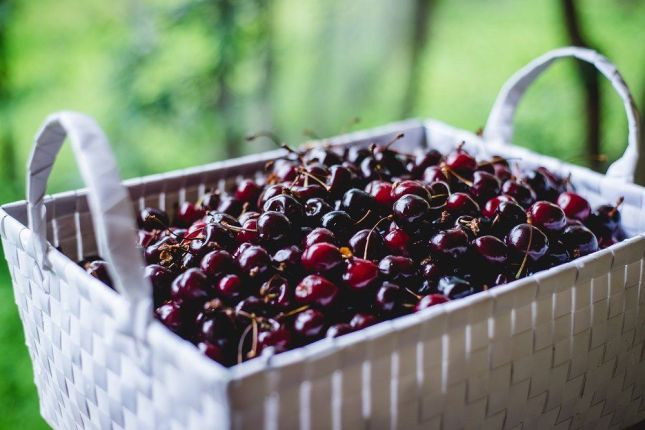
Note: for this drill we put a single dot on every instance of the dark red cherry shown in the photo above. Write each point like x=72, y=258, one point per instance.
x=99, y=270
x=502, y=172
x=316, y=290
x=425, y=159
x=507, y=215
x=170, y=315
x=274, y=228
x=321, y=257
x=340, y=179
x=315, y=208
x=491, y=250
x=339, y=223
x=452, y=243
x=254, y=261
x=210, y=200
x=214, y=352
x=249, y=232
x=485, y=186
x=251, y=305
x=461, y=204
x=275, y=336
x=270, y=192
x=430, y=300
x=574, y=206
x=361, y=320
x=146, y=238
x=288, y=259
x=521, y=192
x=389, y=298
x=360, y=274
x=455, y=287
x=410, y=209
x=216, y=263
x=229, y=286
x=247, y=191
x=547, y=216
x=188, y=213
x=190, y=286
x=397, y=268
x=160, y=278
x=309, y=324
x=357, y=203
x=398, y=242
x=371, y=239
x=402, y=188
x=381, y=191
x=526, y=240
x=319, y=235
x=434, y=174
x=579, y=241
x=491, y=205
x=286, y=205
x=276, y=292
x=214, y=326
x=338, y=330
x=153, y=219
x=461, y=162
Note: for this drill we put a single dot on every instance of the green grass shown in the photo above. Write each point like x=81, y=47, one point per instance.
x=333, y=61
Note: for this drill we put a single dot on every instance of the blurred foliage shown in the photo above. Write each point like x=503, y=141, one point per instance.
x=177, y=83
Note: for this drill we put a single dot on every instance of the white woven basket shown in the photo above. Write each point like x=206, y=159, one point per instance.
x=563, y=348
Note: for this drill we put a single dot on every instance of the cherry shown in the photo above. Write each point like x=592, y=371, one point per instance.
x=169, y=313
x=153, y=219
x=316, y=290
x=361, y=320
x=216, y=263
x=249, y=231
x=579, y=241
x=410, y=209
x=430, y=300
x=425, y=159
x=315, y=208
x=251, y=305
x=99, y=270
x=321, y=257
x=340, y=179
x=190, y=286
x=247, y=191
x=547, y=216
x=485, y=186
x=357, y=203
x=542, y=183
x=309, y=324
x=507, y=215
x=160, y=278
x=338, y=330
x=491, y=250
x=455, y=287
x=339, y=223
x=397, y=268
x=288, y=259
x=605, y=220
x=286, y=205
x=461, y=204
x=521, y=192
x=527, y=241
x=502, y=172
x=360, y=274
x=229, y=286
x=214, y=327
x=270, y=192
x=214, y=352
x=397, y=242
x=434, y=174
x=402, y=188
x=371, y=239
x=273, y=228
x=381, y=191
x=254, y=261
x=452, y=243
x=461, y=162
x=275, y=336
x=188, y=213
x=574, y=206
x=306, y=192
x=388, y=298
x=492, y=204
x=277, y=293
x=319, y=235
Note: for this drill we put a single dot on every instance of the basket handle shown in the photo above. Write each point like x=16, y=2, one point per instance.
x=109, y=203
x=499, y=127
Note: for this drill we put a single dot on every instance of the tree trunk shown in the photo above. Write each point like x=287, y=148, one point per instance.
x=589, y=79
x=422, y=14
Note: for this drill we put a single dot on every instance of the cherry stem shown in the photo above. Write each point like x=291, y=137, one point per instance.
x=619, y=202
x=237, y=229
x=293, y=312
x=459, y=177
x=369, y=235
x=526, y=254
x=418, y=297
x=240, y=345
x=254, y=347
x=392, y=141
x=364, y=217
x=496, y=160
x=315, y=178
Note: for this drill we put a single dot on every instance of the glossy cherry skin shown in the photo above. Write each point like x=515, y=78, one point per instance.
x=357, y=203
x=190, y=286
x=316, y=290
x=99, y=270
x=455, y=287
x=274, y=228
x=461, y=162
x=491, y=250
x=398, y=242
x=315, y=209
x=249, y=232
x=410, y=209
x=507, y=216
x=371, y=239
x=214, y=352
x=362, y=320
x=397, y=268
x=485, y=186
x=389, y=298
x=402, y=188
x=247, y=191
x=430, y=300
x=229, y=286
x=360, y=274
x=579, y=241
x=276, y=336
x=521, y=192
x=340, y=179
x=188, y=213
x=169, y=313
x=339, y=223
x=277, y=292
x=153, y=219
x=318, y=235
x=338, y=330
x=309, y=324
x=216, y=263
x=574, y=206
x=321, y=257
x=492, y=204
x=461, y=204
x=434, y=174
x=547, y=216
x=381, y=191
x=452, y=243
x=527, y=240
x=160, y=278
x=254, y=261
x=288, y=206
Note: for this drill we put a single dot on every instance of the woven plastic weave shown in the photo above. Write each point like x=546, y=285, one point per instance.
x=560, y=349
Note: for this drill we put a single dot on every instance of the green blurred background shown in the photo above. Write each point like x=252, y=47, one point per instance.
x=177, y=83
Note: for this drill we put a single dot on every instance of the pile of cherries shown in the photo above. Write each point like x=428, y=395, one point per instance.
x=333, y=241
